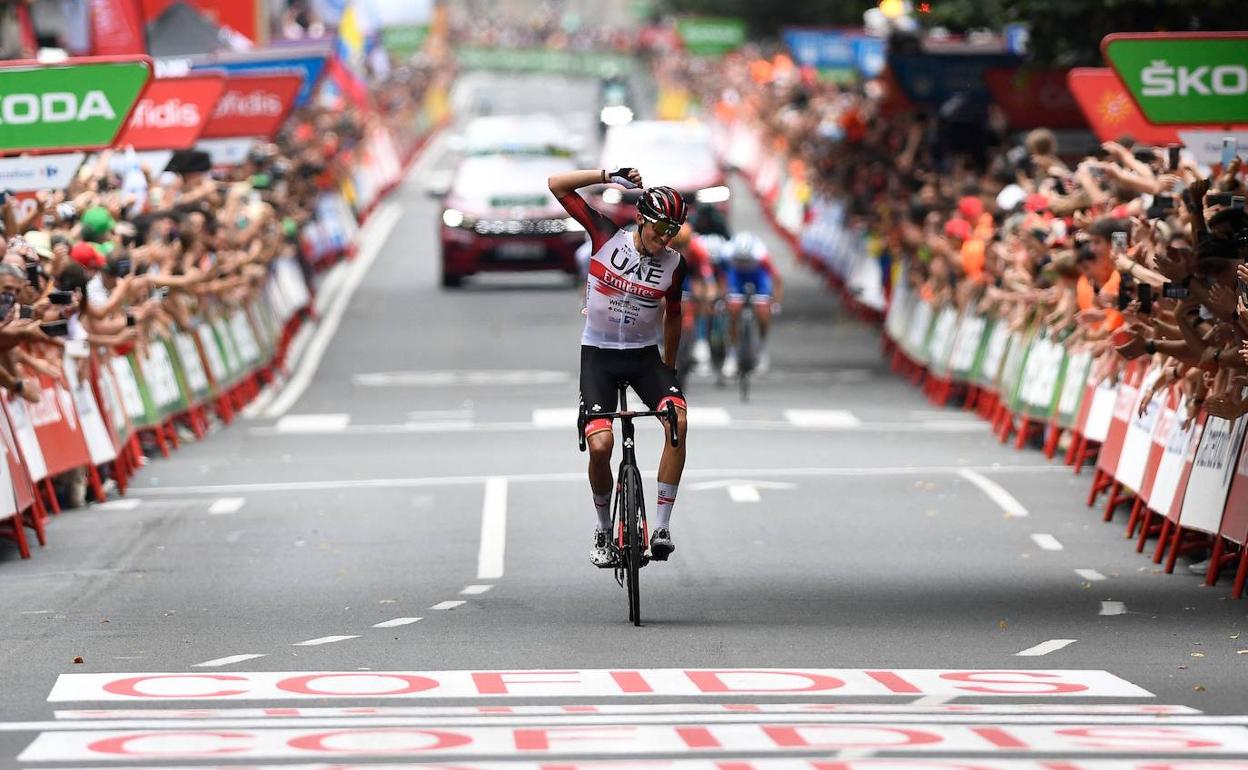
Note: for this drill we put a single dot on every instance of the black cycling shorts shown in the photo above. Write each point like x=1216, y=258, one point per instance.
x=642, y=368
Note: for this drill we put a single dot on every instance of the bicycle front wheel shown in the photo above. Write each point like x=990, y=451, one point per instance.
x=633, y=546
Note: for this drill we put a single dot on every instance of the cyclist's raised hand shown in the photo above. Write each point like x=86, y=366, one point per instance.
x=628, y=178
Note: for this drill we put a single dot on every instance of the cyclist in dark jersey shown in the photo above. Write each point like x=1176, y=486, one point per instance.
x=633, y=275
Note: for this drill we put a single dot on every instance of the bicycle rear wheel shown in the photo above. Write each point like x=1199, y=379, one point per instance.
x=748, y=347
x=633, y=547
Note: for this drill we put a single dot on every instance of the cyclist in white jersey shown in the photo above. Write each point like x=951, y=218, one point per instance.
x=633, y=275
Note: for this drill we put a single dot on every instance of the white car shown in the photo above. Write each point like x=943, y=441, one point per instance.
x=537, y=134
x=674, y=153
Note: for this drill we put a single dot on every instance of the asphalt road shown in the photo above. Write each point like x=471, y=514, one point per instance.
x=420, y=509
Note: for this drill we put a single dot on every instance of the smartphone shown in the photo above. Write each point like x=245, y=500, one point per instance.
x=1145, y=292
x=130, y=320
x=32, y=272
x=1174, y=291
x=55, y=328
x=1237, y=202
x=1172, y=156
x=1230, y=145
x=1125, y=289
x=1219, y=199
x=7, y=300
x=25, y=311
x=60, y=297
x=1120, y=241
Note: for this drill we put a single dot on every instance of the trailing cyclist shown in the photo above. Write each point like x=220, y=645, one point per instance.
x=700, y=288
x=632, y=275
x=747, y=264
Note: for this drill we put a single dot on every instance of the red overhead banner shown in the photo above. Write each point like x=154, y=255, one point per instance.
x=1034, y=98
x=243, y=16
x=173, y=113
x=117, y=28
x=253, y=105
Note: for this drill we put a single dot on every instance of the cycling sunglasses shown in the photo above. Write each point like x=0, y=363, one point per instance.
x=663, y=228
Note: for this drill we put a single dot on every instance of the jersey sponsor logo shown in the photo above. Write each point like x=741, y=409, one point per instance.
x=599, y=270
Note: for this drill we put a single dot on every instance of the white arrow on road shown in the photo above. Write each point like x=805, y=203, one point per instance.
x=742, y=491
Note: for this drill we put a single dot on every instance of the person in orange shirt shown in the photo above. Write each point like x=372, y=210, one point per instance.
x=1099, y=278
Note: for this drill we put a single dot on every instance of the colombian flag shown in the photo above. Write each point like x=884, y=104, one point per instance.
x=349, y=68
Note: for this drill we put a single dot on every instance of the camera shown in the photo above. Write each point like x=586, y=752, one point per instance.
x=1175, y=291
x=60, y=297
x=55, y=328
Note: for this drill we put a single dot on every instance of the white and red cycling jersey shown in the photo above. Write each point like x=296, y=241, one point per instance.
x=625, y=289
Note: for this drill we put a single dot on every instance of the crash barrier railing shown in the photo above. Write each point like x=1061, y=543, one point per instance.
x=94, y=418
x=1183, y=481
x=817, y=227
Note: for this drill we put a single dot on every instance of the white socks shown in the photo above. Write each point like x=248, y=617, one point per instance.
x=667, y=498
x=602, y=506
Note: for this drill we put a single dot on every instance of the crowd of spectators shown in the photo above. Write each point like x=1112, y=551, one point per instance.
x=127, y=254
x=1126, y=250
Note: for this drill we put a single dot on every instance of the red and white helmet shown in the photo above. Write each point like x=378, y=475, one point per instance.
x=663, y=203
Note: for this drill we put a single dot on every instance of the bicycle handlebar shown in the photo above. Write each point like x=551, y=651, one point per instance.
x=668, y=413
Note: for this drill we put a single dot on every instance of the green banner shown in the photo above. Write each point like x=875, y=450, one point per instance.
x=68, y=107
x=596, y=64
x=404, y=40
x=1198, y=78
x=711, y=36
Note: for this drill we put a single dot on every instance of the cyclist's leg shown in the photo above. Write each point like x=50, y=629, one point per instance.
x=598, y=394
x=736, y=296
x=656, y=384
x=762, y=302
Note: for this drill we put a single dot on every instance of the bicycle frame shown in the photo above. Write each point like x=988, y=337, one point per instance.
x=630, y=525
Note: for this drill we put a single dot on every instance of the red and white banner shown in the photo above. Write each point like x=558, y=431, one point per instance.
x=173, y=113
x=1211, y=474
x=27, y=439
x=117, y=28
x=788, y=763
x=55, y=420
x=1235, y=519
x=594, y=683
x=253, y=105
x=624, y=740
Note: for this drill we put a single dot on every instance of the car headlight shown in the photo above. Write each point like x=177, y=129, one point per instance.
x=612, y=195
x=453, y=218
x=616, y=115
x=713, y=194
x=572, y=226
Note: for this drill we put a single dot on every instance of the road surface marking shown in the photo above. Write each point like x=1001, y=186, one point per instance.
x=313, y=423
x=744, y=493
x=323, y=640
x=579, y=476
x=476, y=589
x=125, y=504
x=1012, y=507
x=708, y=417
x=448, y=605
x=1090, y=575
x=821, y=418
x=914, y=710
x=227, y=505
x=374, y=236
x=493, y=549
x=764, y=739
x=396, y=622
x=574, y=684
x=1113, y=608
x=500, y=377
x=1044, y=648
x=228, y=660
x=562, y=418
x=1046, y=541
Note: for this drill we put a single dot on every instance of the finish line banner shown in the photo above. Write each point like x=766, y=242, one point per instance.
x=269, y=685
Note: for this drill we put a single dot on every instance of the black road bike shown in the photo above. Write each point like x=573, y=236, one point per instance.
x=749, y=342
x=628, y=514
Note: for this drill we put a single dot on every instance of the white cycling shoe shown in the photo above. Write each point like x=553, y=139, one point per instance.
x=603, y=554
x=730, y=365
x=701, y=351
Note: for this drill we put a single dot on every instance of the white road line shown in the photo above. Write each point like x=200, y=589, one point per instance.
x=1044, y=648
x=334, y=422
x=227, y=505
x=493, y=550
x=371, y=240
x=323, y=640
x=228, y=660
x=708, y=417
x=821, y=418
x=447, y=605
x=931, y=700
x=1113, y=608
x=1090, y=575
x=1047, y=542
x=995, y=492
x=396, y=622
x=128, y=504
x=543, y=478
x=744, y=493
x=473, y=590
x=558, y=417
